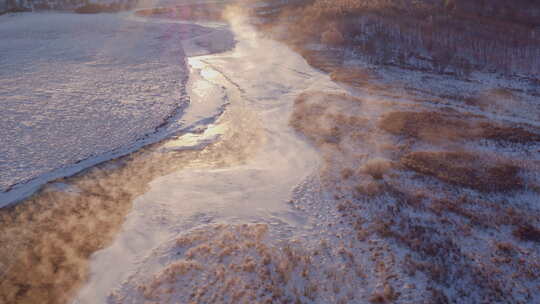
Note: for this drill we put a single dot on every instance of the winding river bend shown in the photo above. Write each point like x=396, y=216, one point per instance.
x=256, y=160
x=235, y=161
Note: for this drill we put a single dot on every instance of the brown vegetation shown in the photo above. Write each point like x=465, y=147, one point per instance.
x=461, y=37
x=527, y=233
x=208, y=12
x=508, y=133
x=353, y=76
x=95, y=8
x=465, y=169
x=426, y=125
x=376, y=167
x=324, y=60
x=384, y=189
x=318, y=116
x=332, y=37
x=438, y=126
x=52, y=234
x=242, y=264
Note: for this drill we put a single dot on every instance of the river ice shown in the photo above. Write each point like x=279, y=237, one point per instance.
x=73, y=87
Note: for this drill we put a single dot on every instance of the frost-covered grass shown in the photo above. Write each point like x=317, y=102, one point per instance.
x=452, y=187
x=232, y=264
x=244, y=264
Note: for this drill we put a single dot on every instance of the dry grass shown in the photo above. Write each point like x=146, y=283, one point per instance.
x=242, y=264
x=368, y=186
x=433, y=223
x=498, y=98
x=425, y=125
x=377, y=167
x=53, y=234
x=507, y=133
x=205, y=12
x=96, y=8
x=527, y=232
x=465, y=169
x=332, y=37
x=324, y=60
x=437, y=126
x=318, y=115
x=353, y=76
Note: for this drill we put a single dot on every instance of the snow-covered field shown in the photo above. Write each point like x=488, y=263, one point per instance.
x=78, y=89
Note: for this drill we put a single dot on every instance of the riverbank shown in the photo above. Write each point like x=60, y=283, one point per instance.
x=51, y=236
x=434, y=171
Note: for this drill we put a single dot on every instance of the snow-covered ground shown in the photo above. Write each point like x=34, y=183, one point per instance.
x=76, y=90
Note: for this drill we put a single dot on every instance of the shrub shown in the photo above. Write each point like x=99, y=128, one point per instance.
x=436, y=126
x=186, y=12
x=94, y=8
x=332, y=37
x=426, y=125
x=352, y=76
x=368, y=186
x=376, y=167
x=527, y=233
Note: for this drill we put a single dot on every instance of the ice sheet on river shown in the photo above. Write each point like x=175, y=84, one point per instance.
x=73, y=87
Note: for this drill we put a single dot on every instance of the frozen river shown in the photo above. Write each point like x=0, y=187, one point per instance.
x=79, y=89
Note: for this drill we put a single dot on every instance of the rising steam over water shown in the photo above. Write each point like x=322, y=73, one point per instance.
x=238, y=160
